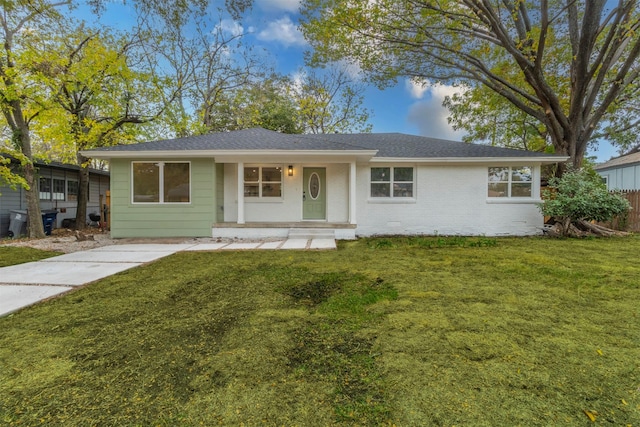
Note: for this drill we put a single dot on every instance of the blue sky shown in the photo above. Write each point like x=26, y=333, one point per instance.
x=272, y=25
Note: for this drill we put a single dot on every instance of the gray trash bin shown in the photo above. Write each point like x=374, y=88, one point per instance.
x=17, y=223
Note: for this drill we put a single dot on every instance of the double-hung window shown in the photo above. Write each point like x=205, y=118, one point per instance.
x=510, y=181
x=161, y=182
x=45, y=188
x=263, y=181
x=58, y=189
x=72, y=191
x=392, y=182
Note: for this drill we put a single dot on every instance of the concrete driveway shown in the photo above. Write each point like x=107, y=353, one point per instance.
x=25, y=284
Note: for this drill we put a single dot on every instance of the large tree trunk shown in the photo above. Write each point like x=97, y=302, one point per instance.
x=34, y=217
x=23, y=139
x=83, y=192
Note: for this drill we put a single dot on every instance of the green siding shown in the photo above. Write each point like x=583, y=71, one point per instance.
x=220, y=192
x=163, y=220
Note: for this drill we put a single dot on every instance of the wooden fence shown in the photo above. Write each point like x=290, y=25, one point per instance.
x=632, y=221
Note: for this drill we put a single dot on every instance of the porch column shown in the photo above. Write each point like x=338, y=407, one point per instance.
x=240, y=194
x=352, y=193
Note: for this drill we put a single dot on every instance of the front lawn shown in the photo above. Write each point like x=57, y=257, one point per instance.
x=393, y=331
x=11, y=255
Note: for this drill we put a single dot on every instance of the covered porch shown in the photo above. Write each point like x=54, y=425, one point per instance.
x=306, y=195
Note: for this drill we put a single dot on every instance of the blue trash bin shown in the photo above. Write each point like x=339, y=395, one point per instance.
x=48, y=220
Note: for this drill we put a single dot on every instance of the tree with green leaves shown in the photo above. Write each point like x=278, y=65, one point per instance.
x=571, y=65
x=487, y=117
x=97, y=96
x=264, y=103
x=7, y=175
x=23, y=24
x=208, y=64
x=580, y=196
x=329, y=102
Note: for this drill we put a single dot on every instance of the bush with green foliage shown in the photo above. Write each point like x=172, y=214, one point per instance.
x=581, y=195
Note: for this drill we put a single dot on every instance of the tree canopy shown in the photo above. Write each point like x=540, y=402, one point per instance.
x=571, y=65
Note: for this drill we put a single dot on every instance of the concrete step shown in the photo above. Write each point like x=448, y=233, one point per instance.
x=311, y=233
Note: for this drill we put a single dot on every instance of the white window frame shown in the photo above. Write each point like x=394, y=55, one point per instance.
x=47, y=193
x=510, y=182
x=260, y=182
x=161, y=201
x=68, y=194
x=391, y=182
x=58, y=196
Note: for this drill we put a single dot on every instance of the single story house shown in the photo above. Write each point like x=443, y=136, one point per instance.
x=621, y=173
x=58, y=189
x=257, y=183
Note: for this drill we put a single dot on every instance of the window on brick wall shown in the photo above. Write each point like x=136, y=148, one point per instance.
x=510, y=181
x=392, y=182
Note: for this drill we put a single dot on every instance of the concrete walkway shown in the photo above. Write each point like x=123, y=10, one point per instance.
x=25, y=284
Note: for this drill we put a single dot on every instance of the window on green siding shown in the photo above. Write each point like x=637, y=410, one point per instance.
x=392, y=182
x=161, y=182
x=510, y=181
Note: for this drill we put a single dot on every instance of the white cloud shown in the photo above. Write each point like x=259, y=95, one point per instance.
x=429, y=116
x=231, y=26
x=298, y=79
x=283, y=30
x=416, y=88
x=286, y=5
x=352, y=68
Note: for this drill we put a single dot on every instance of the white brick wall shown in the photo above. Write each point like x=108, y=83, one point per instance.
x=449, y=200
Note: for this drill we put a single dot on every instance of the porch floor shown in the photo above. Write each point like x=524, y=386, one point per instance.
x=305, y=224
x=269, y=244
x=309, y=230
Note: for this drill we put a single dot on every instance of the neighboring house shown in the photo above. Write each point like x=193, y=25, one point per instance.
x=256, y=183
x=58, y=189
x=621, y=173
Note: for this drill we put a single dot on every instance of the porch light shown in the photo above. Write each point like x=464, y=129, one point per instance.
x=290, y=170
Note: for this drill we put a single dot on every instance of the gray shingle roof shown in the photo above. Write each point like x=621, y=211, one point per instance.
x=620, y=161
x=247, y=139
x=399, y=145
x=392, y=145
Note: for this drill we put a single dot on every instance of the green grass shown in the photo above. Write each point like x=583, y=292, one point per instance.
x=11, y=255
x=394, y=331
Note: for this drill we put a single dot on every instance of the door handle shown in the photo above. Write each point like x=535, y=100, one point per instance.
x=304, y=196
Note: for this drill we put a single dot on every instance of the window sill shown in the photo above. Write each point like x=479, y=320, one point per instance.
x=161, y=204
x=392, y=200
x=263, y=200
x=513, y=201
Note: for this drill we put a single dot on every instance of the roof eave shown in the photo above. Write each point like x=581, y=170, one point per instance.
x=222, y=154
x=619, y=165
x=468, y=160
